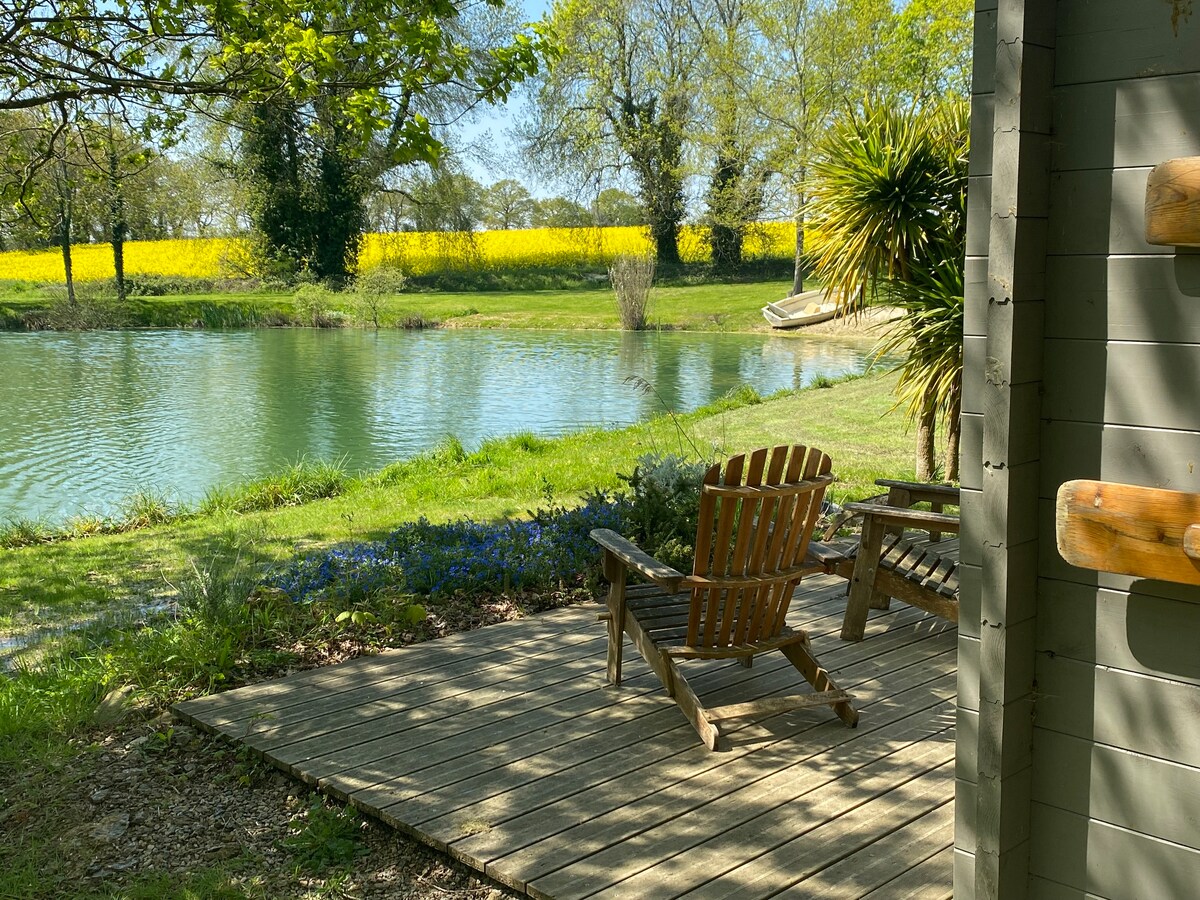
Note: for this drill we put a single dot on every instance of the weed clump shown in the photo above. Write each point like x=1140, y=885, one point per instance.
x=299, y=483
x=314, y=306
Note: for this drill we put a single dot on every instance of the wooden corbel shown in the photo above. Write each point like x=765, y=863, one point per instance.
x=1129, y=530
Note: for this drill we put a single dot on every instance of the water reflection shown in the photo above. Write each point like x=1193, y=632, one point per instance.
x=90, y=417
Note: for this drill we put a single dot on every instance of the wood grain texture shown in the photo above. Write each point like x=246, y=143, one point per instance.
x=1127, y=529
x=564, y=790
x=1172, y=207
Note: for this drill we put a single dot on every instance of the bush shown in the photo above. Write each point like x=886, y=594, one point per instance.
x=91, y=310
x=314, y=306
x=665, y=506
x=381, y=281
x=370, y=289
x=632, y=277
x=546, y=552
x=166, y=285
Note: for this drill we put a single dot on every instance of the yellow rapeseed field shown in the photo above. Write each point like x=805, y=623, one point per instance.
x=198, y=258
x=417, y=253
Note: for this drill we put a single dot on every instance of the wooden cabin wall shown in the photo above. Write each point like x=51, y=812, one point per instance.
x=1114, y=790
x=979, y=192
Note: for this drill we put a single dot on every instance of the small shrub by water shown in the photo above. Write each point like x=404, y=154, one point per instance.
x=632, y=278
x=314, y=306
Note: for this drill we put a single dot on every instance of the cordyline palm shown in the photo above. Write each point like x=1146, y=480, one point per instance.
x=889, y=205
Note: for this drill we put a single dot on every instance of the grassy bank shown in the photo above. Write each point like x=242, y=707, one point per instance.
x=504, y=477
x=707, y=307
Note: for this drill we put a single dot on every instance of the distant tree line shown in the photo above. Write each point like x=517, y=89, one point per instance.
x=730, y=96
x=308, y=123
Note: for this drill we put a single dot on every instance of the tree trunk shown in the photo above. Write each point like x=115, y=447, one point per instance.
x=926, y=437
x=117, y=225
x=954, y=431
x=666, y=242
x=65, y=214
x=65, y=243
x=798, y=277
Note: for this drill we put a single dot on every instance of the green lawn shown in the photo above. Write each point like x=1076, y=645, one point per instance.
x=709, y=307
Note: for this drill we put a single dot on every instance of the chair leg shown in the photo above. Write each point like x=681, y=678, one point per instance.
x=862, y=582
x=746, y=661
x=687, y=701
x=615, y=573
x=800, y=656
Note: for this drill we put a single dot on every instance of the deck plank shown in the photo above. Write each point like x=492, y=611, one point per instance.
x=930, y=879
x=506, y=748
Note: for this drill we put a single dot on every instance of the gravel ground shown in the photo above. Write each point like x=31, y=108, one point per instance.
x=161, y=799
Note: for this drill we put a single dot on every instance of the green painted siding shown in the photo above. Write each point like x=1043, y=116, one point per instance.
x=1101, y=379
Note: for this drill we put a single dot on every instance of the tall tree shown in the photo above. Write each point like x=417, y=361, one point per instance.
x=560, y=212
x=614, y=206
x=115, y=158
x=365, y=74
x=807, y=64
x=446, y=200
x=507, y=204
x=618, y=99
x=732, y=139
x=159, y=52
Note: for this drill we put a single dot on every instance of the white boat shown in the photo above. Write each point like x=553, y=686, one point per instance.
x=808, y=308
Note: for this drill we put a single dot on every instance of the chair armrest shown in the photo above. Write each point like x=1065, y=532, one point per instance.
x=906, y=518
x=919, y=492
x=823, y=555
x=637, y=559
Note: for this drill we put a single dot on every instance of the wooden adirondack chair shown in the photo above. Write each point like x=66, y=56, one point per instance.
x=751, y=551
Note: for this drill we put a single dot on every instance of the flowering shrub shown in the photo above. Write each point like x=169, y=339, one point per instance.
x=348, y=573
x=545, y=552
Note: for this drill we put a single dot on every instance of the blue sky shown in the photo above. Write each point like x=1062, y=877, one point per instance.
x=490, y=129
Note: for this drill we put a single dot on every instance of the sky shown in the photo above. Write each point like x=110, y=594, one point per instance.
x=489, y=131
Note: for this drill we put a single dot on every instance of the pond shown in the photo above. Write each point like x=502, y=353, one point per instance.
x=88, y=418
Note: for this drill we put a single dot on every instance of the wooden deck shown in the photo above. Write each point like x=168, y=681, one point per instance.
x=504, y=748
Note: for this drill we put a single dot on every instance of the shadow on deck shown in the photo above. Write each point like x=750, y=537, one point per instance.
x=505, y=748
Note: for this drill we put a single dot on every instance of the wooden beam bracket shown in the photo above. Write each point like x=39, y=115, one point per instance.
x=1129, y=530
x=1173, y=203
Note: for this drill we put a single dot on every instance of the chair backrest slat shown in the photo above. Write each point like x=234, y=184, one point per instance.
x=775, y=475
x=704, y=539
x=720, y=557
x=759, y=525
x=747, y=518
x=804, y=518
